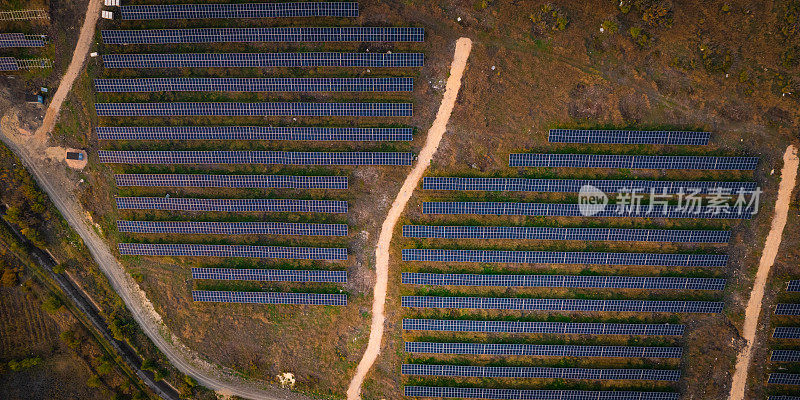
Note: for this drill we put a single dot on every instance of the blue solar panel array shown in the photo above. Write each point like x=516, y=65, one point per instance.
x=254, y=109
x=522, y=394
x=564, y=281
x=628, y=137
x=786, y=332
x=787, y=309
x=575, y=185
x=284, y=34
x=631, y=161
x=239, y=11
x=8, y=40
x=232, y=181
x=559, y=328
x=584, y=234
x=255, y=85
x=794, y=286
x=264, y=60
x=252, y=133
x=8, y=64
x=563, y=257
x=783, y=398
x=530, y=304
x=231, y=205
x=540, y=372
x=785, y=356
x=214, y=250
x=270, y=298
x=254, y=157
x=232, y=228
x=784, y=379
x=546, y=350
x=575, y=210
x=270, y=275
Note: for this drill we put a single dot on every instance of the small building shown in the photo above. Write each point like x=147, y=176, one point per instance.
x=34, y=98
x=71, y=155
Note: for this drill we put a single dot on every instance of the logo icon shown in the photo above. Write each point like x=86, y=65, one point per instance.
x=591, y=200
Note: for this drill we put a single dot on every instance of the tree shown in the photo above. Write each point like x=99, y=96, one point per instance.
x=9, y=277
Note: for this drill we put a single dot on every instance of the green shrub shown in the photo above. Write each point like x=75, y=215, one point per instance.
x=24, y=364
x=790, y=58
x=94, y=381
x=610, y=26
x=51, y=303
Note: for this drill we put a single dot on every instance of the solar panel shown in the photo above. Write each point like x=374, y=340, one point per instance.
x=265, y=60
x=787, y=309
x=786, y=332
x=564, y=281
x=232, y=181
x=239, y=11
x=283, y=34
x=255, y=85
x=631, y=161
x=232, y=228
x=794, y=286
x=8, y=64
x=252, y=133
x=784, y=398
x=564, y=257
x=784, y=379
x=269, y=275
x=215, y=250
x=543, y=350
x=231, y=205
x=254, y=109
x=471, y=371
x=628, y=137
x=575, y=185
x=8, y=40
x=785, y=356
x=531, y=304
x=583, y=234
x=574, y=210
x=521, y=394
x=558, y=328
x=254, y=157
x=316, y=299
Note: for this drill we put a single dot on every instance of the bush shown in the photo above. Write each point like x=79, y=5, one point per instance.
x=9, y=277
x=790, y=58
x=68, y=337
x=51, y=303
x=24, y=364
x=94, y=381
x=716, y=60
x=610, y=26
x=549, y=18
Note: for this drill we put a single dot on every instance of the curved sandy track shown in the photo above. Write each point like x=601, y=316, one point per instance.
x=753, y=311
x=54, y=181
x=463, y=47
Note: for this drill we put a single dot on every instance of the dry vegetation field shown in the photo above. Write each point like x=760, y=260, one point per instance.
x=722, y=66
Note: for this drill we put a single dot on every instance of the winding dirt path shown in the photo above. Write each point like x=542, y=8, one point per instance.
x=463, y=47
x=753, y=311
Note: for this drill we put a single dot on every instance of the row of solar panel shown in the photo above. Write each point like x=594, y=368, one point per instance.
x=543, y=350
x=563, y=328
x=781, y=378
x=21, y=40
x=628, y=137
x=793, y=286
x=522, y=394
x=265, y=60
x=246, y=10
x=787, y=309
x=283, y=34
x=785, y=356
x=214, y=250
x=575, y=185
x=231, y=205
x=565, y=257
x=631, y=161
x=255, y=85
x=270, y=298
x=546, y=233
x=232, y=228
x=252, y=133
x=254, y=109
x=269, y=275
x=233, y=181
x=531, y=304
x=471, y=371
x=786, y=332
x=564, y=281
x=579, y=210
x=8, y=64
x=254, y=157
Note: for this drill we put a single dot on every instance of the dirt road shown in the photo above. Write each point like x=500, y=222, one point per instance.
x=753, y=310
x=53, y=179
x=463, y=47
